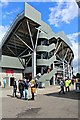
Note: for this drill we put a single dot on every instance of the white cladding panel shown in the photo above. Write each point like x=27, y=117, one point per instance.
x=32, y=13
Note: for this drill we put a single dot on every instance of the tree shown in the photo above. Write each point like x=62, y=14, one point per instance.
x=78, y=75
x=74, y=77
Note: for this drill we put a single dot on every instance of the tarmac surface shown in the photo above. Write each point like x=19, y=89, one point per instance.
x=47, y=104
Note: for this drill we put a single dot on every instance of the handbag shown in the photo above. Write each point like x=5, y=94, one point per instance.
x=33, y=89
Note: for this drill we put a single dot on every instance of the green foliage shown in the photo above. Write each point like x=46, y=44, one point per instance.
x=74, y=77
x=78, y=75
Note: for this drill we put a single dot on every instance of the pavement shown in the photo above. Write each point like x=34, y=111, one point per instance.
x=47, y=104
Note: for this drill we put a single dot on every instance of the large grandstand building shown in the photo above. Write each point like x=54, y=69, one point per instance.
x=30, y=47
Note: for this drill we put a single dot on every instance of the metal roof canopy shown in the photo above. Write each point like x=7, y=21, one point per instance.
x=63, y=50
x=20, y=39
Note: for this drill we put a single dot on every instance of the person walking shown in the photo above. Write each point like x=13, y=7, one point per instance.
x=14, y=89
x=62, y=87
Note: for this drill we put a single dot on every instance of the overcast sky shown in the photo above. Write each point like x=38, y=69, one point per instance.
x=61, y=15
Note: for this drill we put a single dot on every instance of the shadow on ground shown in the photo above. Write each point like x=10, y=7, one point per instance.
x=17, y=97
x=69, y=95
x=14, y=97
x=29, y=112
x=10, y=95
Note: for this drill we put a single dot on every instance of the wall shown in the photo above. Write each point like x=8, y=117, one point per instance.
x=6, y=73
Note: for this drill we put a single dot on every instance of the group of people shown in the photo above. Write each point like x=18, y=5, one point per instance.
x=23, y=87
x=65, y=84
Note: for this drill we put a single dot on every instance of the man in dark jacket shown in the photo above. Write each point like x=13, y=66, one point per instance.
x=21, y=88
x=14, y=88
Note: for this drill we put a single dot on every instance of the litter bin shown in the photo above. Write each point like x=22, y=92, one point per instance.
x=77, y=86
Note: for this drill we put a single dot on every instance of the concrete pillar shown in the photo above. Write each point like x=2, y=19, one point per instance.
x=54, y=80
x=41, y=67
x=53, y=65
x=34, y=63
x=53, y=76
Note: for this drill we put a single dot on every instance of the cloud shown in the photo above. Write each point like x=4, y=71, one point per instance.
x=6, y=14
x=4, y=2
x=75, y=47
x=63, y=12
x=75, y=61
x=74, y=36
x=13, y=11
x=3, y=30
x=10, y=15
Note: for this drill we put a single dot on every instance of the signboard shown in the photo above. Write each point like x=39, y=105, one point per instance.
x=9, y=72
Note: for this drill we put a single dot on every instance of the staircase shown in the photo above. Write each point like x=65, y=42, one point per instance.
x=48, y=76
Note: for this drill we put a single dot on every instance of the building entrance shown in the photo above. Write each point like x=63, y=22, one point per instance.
x=11, y=81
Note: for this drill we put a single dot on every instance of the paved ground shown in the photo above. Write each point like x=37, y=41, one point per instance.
x=48, y=104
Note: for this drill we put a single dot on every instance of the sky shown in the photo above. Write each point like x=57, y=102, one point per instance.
x=60, y=15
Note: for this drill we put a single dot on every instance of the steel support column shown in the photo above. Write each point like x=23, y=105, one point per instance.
x=24, y=42
x=30, y=34
x=58, y=48
x=63, y=71
x=34, y=63
x=68, y=70
x=37, y=38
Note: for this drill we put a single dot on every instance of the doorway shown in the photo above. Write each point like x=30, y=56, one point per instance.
x=11, y=81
